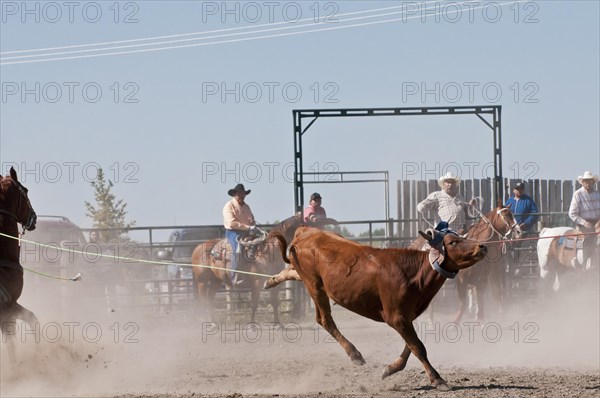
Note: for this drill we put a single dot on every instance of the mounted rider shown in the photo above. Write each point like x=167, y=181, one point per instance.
x=448, y=204
x=238, y=221
x=585, y=211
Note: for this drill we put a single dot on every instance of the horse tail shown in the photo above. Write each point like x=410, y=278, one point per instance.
x=282, y=245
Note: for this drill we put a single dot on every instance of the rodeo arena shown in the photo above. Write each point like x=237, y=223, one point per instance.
x=143, y=317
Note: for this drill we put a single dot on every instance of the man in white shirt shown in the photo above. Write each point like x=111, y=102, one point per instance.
x=238, y=221
x=585, y=211
x=448, y=204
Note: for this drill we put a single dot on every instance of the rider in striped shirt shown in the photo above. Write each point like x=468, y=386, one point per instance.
x=585, y=205
x=585, y=212
x=448, y=204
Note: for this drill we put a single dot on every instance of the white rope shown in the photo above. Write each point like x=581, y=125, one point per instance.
x=128, y=259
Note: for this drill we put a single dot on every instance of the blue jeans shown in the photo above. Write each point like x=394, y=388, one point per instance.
x=231, y=236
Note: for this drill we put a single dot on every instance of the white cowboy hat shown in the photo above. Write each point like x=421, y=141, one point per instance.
x=587, y=175
x=448, y=176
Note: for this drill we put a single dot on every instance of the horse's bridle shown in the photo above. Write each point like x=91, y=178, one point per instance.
x=510, y=227
x=32, y=217
x=503, y=218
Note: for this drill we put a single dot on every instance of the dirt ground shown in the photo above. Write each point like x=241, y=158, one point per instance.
x=531, y=350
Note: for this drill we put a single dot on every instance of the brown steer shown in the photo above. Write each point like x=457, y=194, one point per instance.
x=387, y=285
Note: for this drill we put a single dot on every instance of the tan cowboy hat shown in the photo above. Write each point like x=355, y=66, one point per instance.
x=587, y=175
x=448, y=176
x=238, y=188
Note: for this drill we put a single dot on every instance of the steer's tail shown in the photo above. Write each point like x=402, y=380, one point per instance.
x=282, y=245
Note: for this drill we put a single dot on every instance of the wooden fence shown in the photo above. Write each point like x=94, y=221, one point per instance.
x=552, y=198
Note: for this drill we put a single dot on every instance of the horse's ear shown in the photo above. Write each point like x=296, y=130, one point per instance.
x=13, y=174
x=499, y=204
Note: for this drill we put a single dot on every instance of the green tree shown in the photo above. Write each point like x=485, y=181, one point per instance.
x=376, y=232
x=342, y=230
x=108, y=212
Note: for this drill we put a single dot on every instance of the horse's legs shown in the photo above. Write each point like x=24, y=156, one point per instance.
x=8, y=324
x=498, y=287
x=205, y=298
x=478, y=295
x=8, y=327
x=548, y=279
x=430, y=312
x=211, y=292
x=26, y=315
x=254, y=295
x=275, y=304
x=461, y=289
x=407, y=331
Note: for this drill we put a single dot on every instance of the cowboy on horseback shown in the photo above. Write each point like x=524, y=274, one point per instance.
x=238, y=221
x=448, y=203
x=585, y=211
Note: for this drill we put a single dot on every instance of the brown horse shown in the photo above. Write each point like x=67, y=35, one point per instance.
x=14, y=208
x=560, y=250
x=266, y=260
x=495, y=227
x=492, y=230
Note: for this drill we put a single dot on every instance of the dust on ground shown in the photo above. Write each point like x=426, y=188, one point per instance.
x=549, y=348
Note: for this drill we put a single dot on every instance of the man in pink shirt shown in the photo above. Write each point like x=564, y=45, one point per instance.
x=314, y=212
x=238, y=221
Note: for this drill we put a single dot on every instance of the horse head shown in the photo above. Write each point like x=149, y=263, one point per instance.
x=505, y=223
x=288, y=227
x=14, y=201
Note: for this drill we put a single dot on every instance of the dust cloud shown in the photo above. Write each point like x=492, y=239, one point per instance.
x=88, y=347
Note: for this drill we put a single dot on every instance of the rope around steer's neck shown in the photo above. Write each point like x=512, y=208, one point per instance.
x=446, y=274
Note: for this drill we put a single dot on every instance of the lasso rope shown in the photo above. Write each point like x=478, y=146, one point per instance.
x=129, y=259
x=544, y=237
x=78, y=277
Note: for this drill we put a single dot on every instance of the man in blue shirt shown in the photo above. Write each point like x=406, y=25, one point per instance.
x=521, y=205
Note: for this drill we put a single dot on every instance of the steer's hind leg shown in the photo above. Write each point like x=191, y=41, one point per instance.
x=288, y=274
x=408, y=333
x=324, y=319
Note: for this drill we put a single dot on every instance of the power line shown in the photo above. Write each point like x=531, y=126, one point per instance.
x=19, y=59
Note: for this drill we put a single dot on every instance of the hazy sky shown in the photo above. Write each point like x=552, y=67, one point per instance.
x=174, y=129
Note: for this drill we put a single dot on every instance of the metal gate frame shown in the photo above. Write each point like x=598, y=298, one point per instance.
x=479, y=111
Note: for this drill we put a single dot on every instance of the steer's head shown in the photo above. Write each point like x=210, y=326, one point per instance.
x=456, y=253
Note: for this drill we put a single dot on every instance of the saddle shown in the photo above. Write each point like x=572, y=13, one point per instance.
x=249, y=244
x=222, y=250
x=569, y=249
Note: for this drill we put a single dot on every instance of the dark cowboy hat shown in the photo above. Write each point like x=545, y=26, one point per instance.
x=519, y=185
x=238, y=188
